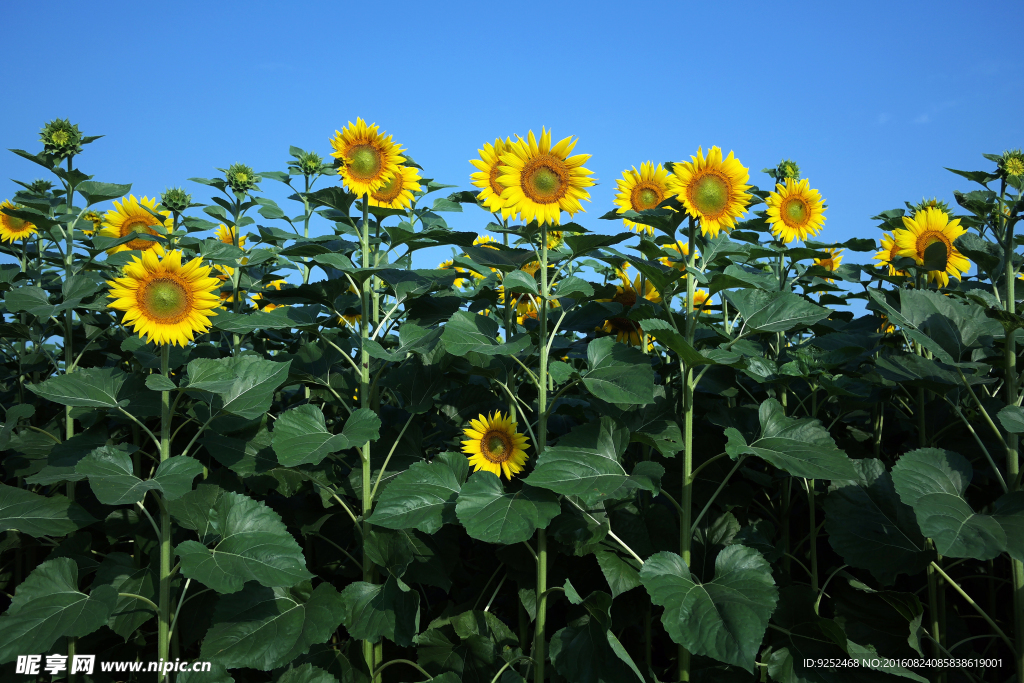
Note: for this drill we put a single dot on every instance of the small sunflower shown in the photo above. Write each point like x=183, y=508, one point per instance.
x=890, y=252
x=131, y=216
x=712, y=189
x=459, y=281
x=795, y=211
x=886, y=327
x=700, y=299
x=95, y=219
x=351, y=320
x=369, y=157
x=832, y=262
x=542, y=181
x=642, y=190
x=629, y=331
x=486, y=178
x=523, y=303
x=396, y=193
x=677, y=260
x=273, y=284
x=528, y=310
x=494, y=445
x=555, y=239
x=486, y=241
x=227, y=236
x=12, y=228
x=1012, y=163
x=929, y=227
x=163, y=299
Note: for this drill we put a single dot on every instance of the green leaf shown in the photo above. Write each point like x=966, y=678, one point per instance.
x=301, y=437
x=775, y=311
x=724, y=619
x=118, y=571
x=908, y=327
x=574, y=287
x=307, y=673
x=493, y=515
x=36, y=515
x=586, y=651
x=933, y=482
x=31, y=299
x=110, y=473
x=619, y=571
x=870, y=527
x=619, y=373
x=520, y=282
x=373, y=611
x=47, y=605
x=95, y=192
x=423, y=497
x=1012, y=419
x=584, y=244
x=663, y=331
x=954, y=325
x=253, y=543
x=265, y=628
x=159, y=383
x=799, y=446
x=503, y=259
x=587, y=463
x=468, y=332
x=333, y=197
x=243, y=385
x=86, y=388
x=174, y=476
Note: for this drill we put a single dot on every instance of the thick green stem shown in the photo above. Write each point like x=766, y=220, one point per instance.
x=164, y=615
x=686, y=494
x=540, y=632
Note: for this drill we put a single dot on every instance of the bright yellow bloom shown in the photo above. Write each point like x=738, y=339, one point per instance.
x=889, y=253
x=678, y=260
x=494, y=445
x=541, y=181
x=527, y=310
x=130, y=217
x=555, y=239
x=489, y=164
x=700, y=298
x=164, y=300
x=396, y=193
x=369, y=158
x=12, y=228
x=832, y=262
x=459, y=281
x=95, y=219
x=712, y=189
x=227, y=235
x=929, y=227
x=795, y=211
x=273, y=284
x=639, y=191
x=629, y=331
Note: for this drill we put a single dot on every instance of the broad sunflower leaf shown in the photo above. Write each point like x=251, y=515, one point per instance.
x=30, y=299
x=47, y=605
x=586, y=651
x=118, y=571
x=307, y=673
x=253, y=544
x=775, y=311
x=174, y=476
x=1012, y=419
x=619, y=571
x=241, y=385
x=265, y=628
x=954, y=325
x=472, y=646
x=423, y=497
x=96, y=192
x=110, y=474
x=909, y=328
x=36, y=515
x=389, y=610
x=301, y=437
x=86, y=388
x=724, y=619
x=618, y=373
x=932, y=481
x=468, y=332
x=870, y=527
x=493, y=515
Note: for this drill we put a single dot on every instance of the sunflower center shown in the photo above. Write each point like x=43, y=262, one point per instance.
x=545, y=179
x=827, y=264
x=1015, y=166
x=365, y=161
x=60, y=137
x=710, y=194
x=138, y=226
x=795, y=211
x=496, y=446
x=927, y=239
x=627, y=298
x=165, y=300
x=645, y=197
x=15, y=224
x=389, y=191
x=496, y=187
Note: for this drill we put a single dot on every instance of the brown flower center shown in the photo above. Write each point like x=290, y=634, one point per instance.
x=492, y=178
x=496, y=446
x=645, y=196
x=138, y=225
x=709, y=193
x=545, y=179
x=627, y=297
x=390, y=191
x=930, y=237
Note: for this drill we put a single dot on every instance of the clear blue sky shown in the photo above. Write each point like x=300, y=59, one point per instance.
x=872, y=99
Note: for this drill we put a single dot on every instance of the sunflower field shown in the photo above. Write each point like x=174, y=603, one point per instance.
x=685, y=443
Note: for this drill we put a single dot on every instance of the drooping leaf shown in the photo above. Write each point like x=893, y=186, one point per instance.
x=468, y=332
x=174, y=476
x=118, y=571
x=389, y=610
x=493, y=515
x=586, y=651
x=110, y=474
x=87, y=388
x=775, y=311
x=36, y=515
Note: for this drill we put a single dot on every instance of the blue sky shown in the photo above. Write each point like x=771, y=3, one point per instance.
x=872, y=99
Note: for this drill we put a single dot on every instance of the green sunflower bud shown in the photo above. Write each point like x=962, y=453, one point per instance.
x=310, y=163
x=41, y=186
x=61, y=138
x=933, y=203
x=787, y=170
x=176, y=199
x=241, y=178
x=1012, y=163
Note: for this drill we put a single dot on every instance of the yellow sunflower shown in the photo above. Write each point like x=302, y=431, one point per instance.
x=351, y=320
x=889, y=253
x=163, y=299
x=396, y=193
x=795, y=211
x=494, y=445
x=369, y=157
x=527, y=310
x=629, y=331
x=639, y=191
x=130, y=217
x=542, y=181
x=832, y=262
x=12, y=228
x=486, y=241
x=486, y=178
x=929, y=227
x=700, y=299
x=227, y=236
x=677, y=260
x=523, y=302
x=712, y=189
x=95, y=219
x=555, y=239
x=273, y=284
x=459, y=281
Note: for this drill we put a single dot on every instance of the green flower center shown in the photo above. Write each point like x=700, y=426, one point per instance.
x=647, y=199
x=497, y=447
x=241, y=177
x=1015, y=166
x=545, y=181
x=15, y=224
x=60, y=137
x=796, y=212
x=710, y=195
x=365, y=161
x=166, y=300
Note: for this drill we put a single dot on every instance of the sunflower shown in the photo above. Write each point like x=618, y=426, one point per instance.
x=639, y=191
x=459, y=281
x=486, y=241
x=227, y=236
x=542, y=181
x=555, y=239
x=889, y=253
x=351, y=320
x=96, y=220
x=677, y=260
x=795, y=211
x=489, y=165
x=832, y=262
x=885, y=327
x=369, y=158
x=494, y=445
x=131, y=216
x=629, y=331
x=273, y=284
x=12, y=228
x=527, y=310
x=396, y=193
x=929, y=227
x=712, y=189
x=164, y=300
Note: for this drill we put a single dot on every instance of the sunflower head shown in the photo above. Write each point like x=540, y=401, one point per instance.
x=460, y=281
x=133, y=216
x=275, y=285
x=95, y=220
x=164, y=300
x=555, y=239
x=397, y=191
x=712, y=189
x=678, y=259
x=485, y=241
x=626, y=330
x=795, y=211
x=310, y=163
x=11, y=227
x=176, y=199
x=926, y=229
x=542, y=180
x=229, y=235
x=61, y=138
x=933, y=203
x=492, y=193
x=241, y=178
x=368, y=158
x=831, y=263
x=889, y=252
x=642, y=190
x=40, y=186
x=786, y=170
x=1012, y=163
x=493, y=444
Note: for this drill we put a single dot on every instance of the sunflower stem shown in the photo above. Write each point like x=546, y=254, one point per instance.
x=809, y=484
x=686, y=497
x=164, y=615
x=540, y=633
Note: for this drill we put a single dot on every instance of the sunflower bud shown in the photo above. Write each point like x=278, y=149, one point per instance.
x=932, y=203
x=310, y=163
x=40, y=186
x=1012, y=163
x=787, y=169
x=176, y=199
x=61, y=138
x=241, y=178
